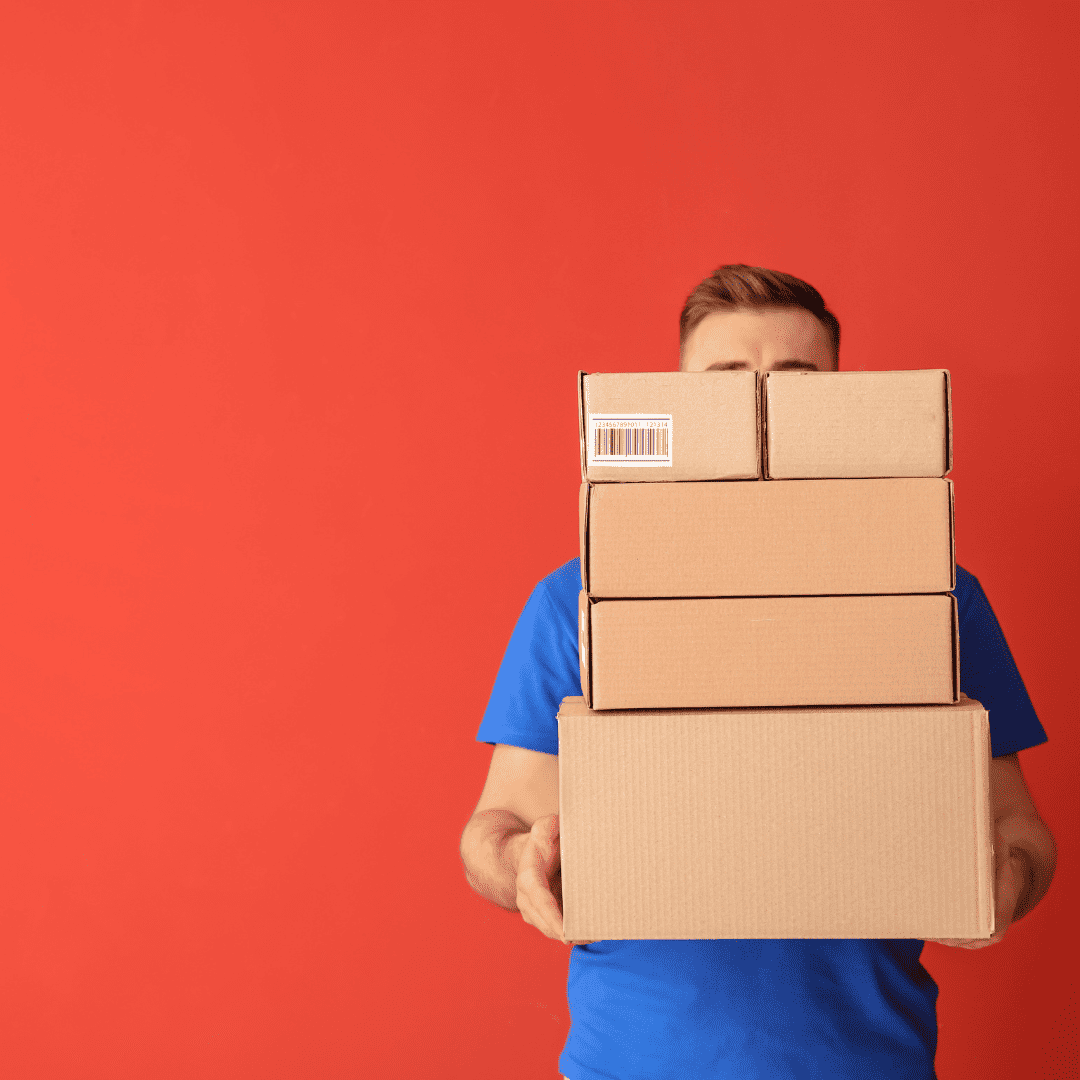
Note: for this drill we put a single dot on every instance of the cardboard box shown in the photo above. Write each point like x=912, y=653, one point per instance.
x=759, y=651
x=669, y=425
x=800, y=538
x=781, y=823
x=857, y=424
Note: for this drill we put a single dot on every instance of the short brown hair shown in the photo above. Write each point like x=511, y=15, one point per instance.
x=740, y=286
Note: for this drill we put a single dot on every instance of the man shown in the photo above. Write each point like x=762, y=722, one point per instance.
x=645, y=1010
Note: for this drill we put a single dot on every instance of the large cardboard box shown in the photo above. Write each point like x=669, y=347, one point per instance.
x=857, y=424
x=799, y=538
x=669, y=425
x=774, y=650
x=781, y=823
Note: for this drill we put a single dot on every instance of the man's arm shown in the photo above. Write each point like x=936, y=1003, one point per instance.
x=510, y=846
x=1025, y=854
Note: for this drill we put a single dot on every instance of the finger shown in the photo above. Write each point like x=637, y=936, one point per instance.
x=969, y=943
x=539, y=862
x=1006, y=896
x=535, y=899
x=541, y=913
x=534, y=892
x=546, y=861
x=538, y=868
x=546, y=829
x=545, y=833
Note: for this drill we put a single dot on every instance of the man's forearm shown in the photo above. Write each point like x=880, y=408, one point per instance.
x=490, y=849
x=1031, y=844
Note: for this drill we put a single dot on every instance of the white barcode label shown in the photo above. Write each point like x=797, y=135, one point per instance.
x=630, y=439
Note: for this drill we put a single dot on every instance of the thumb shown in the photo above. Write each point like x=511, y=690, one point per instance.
x=545, y=832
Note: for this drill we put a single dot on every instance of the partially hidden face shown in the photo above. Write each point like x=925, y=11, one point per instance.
x=759, y=339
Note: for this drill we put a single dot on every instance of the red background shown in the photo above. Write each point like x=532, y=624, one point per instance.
x=293, y=295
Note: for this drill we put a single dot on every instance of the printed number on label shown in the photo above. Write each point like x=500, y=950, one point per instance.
x=633, y=439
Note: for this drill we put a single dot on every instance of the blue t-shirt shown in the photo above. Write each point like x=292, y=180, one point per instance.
x=758, y=1010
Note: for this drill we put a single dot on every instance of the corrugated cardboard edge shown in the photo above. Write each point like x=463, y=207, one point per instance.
x=763, y=422
x=584, y=650
x=952, y=536
x=956, y=648
x=984, y=826
x=581, y=421
x=583, y=533
x=948, y=422
x=562, y=808
x=759, y=404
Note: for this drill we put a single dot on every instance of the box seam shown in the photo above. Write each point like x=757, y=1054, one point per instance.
x=581, y=423
x=948, y=423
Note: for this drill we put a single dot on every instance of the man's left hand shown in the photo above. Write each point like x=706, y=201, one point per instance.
x=1010, y=879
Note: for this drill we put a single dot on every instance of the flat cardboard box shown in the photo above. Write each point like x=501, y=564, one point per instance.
x=798, y=538
x=778, y=823
x=669, y=425
x=769, y=651
x=857, y=424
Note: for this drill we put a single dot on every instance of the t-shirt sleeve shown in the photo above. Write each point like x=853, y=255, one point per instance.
x=988, y=674
x=539, y=669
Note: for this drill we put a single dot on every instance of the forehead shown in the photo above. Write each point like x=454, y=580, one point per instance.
x=758, y=334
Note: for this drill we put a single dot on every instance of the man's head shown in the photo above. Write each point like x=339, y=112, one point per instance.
x=751, y=319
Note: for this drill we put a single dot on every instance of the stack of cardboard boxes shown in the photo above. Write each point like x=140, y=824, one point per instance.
x=772, y=741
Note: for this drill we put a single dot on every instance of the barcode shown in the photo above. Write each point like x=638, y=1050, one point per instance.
x=630, y=442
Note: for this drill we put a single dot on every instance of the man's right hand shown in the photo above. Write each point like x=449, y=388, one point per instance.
x=539, y=876
x=510, y=847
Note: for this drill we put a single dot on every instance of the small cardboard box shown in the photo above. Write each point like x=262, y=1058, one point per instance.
x=857, y=424
x=767, y=651
x=669, y=425
x=782, y=823
x=800, y=538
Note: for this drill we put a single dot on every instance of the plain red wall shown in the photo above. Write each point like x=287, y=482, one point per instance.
x=293, y=295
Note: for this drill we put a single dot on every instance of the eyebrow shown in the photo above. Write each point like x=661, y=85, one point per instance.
x=787, y=365
x=780, y=365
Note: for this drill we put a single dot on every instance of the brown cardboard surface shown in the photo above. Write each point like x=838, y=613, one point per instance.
x=762, y=651
x=584, y=645
x=713, y=418
x=857, y=424
x=782, y=823
x=796, y=538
